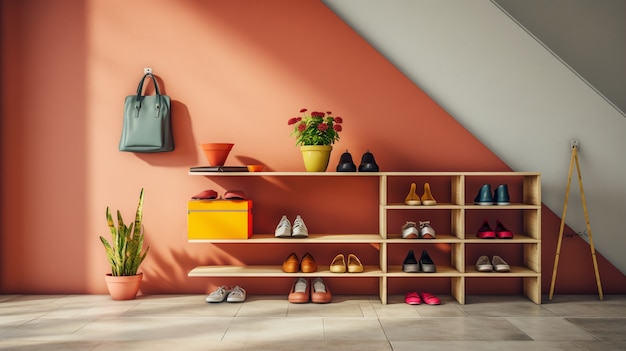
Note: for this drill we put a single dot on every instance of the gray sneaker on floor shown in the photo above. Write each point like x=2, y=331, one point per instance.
x=238, y=294
x=218, y=295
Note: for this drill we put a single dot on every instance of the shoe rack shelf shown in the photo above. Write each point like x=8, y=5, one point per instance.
x=455, y=234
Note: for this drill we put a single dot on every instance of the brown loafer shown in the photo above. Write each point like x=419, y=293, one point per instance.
x=291, y=264
x=354, y=264
x=308, y=265
x=300, y=291
x=338, y=265
x=320, y=292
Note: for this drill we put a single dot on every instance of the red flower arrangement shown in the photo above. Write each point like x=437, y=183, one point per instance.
x=318, y=128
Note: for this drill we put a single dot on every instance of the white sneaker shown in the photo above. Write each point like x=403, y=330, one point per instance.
x=237, y=295
x=283, y=229
x=409, y=230
x=218, y=295
x=299, y=228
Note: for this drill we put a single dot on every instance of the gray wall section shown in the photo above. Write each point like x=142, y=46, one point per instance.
x=512, y=94
x=588, y=35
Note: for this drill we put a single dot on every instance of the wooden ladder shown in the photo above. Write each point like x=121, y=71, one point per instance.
x=573, y=160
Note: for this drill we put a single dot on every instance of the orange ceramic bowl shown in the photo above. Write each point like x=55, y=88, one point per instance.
x=255, y=168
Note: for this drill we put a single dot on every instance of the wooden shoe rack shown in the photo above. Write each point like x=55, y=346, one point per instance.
x=455, y=219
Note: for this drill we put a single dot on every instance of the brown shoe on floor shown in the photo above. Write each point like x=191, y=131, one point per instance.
x=308, y=265
x=320, y=292
x=291, y=264
x=300, y=291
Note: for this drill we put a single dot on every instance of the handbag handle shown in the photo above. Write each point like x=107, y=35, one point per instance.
x=140, y=88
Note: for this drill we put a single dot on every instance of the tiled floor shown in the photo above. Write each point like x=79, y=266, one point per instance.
x=503, y=323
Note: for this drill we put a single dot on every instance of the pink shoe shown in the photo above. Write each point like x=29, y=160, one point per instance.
x=502, y=232
x=412, y=298
x=485, y=231
x=430, y=299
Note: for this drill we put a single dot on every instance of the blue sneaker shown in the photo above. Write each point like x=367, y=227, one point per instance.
x=484, y=196
x=501, y=195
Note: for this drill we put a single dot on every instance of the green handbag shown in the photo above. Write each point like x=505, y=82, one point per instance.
x=147, y=123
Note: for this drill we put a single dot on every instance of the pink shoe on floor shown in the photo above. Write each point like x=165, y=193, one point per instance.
x=430, y=299
x=412, y=298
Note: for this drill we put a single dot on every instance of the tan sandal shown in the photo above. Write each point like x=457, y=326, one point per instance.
x=354, y=265
x=338, y=265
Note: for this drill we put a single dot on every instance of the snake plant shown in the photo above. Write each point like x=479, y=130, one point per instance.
x=124, y=252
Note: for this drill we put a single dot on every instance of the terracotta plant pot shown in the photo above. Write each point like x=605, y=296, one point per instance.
x=216, y=153
x=123, y=287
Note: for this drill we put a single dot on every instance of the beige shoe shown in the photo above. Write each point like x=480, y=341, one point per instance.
x=499, y=265
x=338, y=265
x=427, y=198
x=354, y=265
x=412, y=198
x=483, y=264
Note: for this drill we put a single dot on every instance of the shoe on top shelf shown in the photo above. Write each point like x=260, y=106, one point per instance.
x=501, y=195
x=484, y=196
x=283, y=229
x=299, y=229
x=412, y=198
x=345, y=163
x=427, y=198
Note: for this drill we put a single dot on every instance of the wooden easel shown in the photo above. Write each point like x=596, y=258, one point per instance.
x=558, y=246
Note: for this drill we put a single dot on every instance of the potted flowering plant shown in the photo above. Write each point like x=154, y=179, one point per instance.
x=318, y=128
x=315, y=133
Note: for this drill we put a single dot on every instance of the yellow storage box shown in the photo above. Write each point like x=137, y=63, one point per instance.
x=219, y=219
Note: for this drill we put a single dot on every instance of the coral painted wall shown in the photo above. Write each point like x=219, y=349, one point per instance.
x=236, y=71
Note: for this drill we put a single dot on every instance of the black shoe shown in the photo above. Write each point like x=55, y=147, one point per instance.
x=345, y=163
x=410, y=263
x=484, y=196
x=426, y=263
x=368, y=164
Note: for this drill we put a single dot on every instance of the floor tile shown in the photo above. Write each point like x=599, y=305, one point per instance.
x=606, y=329
x=485, y=345
x=435, y=329
x=550, y=329
x=284, y=329
x=354, y=329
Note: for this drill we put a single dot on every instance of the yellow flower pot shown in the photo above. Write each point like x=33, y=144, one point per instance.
x=316, y=157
